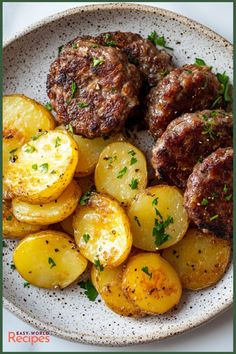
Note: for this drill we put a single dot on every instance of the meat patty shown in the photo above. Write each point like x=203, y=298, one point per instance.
x=209, y=193
x=152, y=62
x=186, y=89
x=93, y=88
x=187, y=140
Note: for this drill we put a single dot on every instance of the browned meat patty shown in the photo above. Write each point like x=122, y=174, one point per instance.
x=93, y=88
x=152, y=62
x=187, y=140
x=209, y=193
x=186, y=89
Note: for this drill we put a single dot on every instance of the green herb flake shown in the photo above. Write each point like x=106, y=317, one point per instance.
x=214, y=217
x=57, y=142
x=98, y=265
x=70, y=128
x=132, y=152
x=110, y=44
x=134, y=183
x=97, y=61
x=133, y=160
x=85, y=198
x=9, y=217
x=82, y=104
x=74, y=45
x=29, y=148
x=122, y=172
x=204, y=201
x=12, y=151
x=51, y=262
x=48, y=106
x=200, y=159
x=86, y=237
x=156, y=40
x=224, y=80
x=36, y=136
x=228, y=197
x=160, y=225
x=137, y=220
x=145, y=270
x=155, y=201
x=26, y=284
x=107, y=36
x=43, y=167
x=73, y=89
x=213, y=114
x=35, y=166
x=12, y=266
x=225, y=189
x=199, y=62
x=53, y=172
x=90, y=290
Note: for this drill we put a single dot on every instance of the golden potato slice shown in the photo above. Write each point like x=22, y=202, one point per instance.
x=49, y=259
x=108, y=284
x=22, y=118
x=67, y=225
x=158, y=218
x=102, y=231
x=151, y=283
x=12, y=228
x=89, y=151
x=44, y=167
x=50, y=213
x=121, y=171
x=199, y=259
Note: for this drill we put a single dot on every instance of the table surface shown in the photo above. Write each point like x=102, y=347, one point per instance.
x=216, y=336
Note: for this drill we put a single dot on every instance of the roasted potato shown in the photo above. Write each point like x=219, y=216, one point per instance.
x=12, y=228
x=158, y=218
x=22, y=118
x=49, y=259
x=108, y=284
x=102, y=231
x=50, y=213
x=67, y=225
x=151, y=283
x=200, y=259
x=121, y=171
x=44, y=167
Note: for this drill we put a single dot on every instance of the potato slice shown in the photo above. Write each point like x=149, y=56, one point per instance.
x=108, y=284
x=121, y=171
x=49, y=259
x=44, y=167
x=50, y=213
x=199, y=259
x=158, y=218
x=12, y=228
x=22, y=118
x=67, y=225
x=102, y=231
x=151, y=283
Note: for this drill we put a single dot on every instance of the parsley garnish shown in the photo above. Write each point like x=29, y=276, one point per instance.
x=86, y=237
x=153, y=37
x=133, y=161
x=70, y=128
x=85, y=198
x=160, y=225
x=111, y=159
x=35, y=137
x=228, y=197
x=43, y=167
x=155, y=201
x=35, y=166
x=91, y=292
x=199, y=62
x=145, y=270
x=132, y=152
x=122, y=172
x=26, y=284
x=214, y=217
x=82, y=104
x=30, y=148
x=98, y=265
x=48, y=106
x=51, y=261
x=224, y=80
x=9, y=217
x=74, y=45
x=225, y=189
x=73, y=89
x=134, y=183
x=137, y=220
x=97, y=61
x=204, y=201
x=57, y=141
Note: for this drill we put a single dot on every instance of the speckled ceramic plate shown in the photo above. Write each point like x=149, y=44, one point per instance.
x=68, y=313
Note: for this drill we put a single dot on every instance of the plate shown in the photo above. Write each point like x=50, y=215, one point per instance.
x=68, y=313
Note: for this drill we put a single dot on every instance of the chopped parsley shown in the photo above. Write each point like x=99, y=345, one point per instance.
x=156, y=40
x=29, y=148
x=225, y=189
x=35, y=166
x=48, y=106
x=97, y=61
x=122, y=172
x=98, y=265
x=155, y=201
x=134, y=183
x=35, y=137
x=74, y=45
x=137, y=220
x=145, y=270
x=207, y=130
x=199, y=62
x=70, y=128
x=57, y=141
x=85, y=198
x=51, y=261
x=82, y=104
x=228, y=197
x=86, y=237
x=160, y=225
x=9, y=217
x=26, y=284
x=43, y=167
x=111, y=159
x=90, y=290
x=133, y=160
x=204, y=201
x=73, y=89
x=132, y=152
x=224, y=80
x=214, y=217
